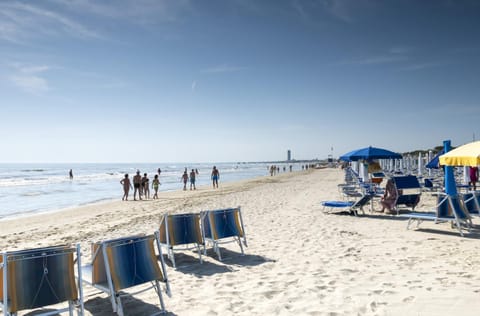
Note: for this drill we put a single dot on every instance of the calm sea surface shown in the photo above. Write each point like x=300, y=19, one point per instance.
x=33, y=188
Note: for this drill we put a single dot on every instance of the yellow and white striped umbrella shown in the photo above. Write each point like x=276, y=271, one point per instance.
x=466, y=155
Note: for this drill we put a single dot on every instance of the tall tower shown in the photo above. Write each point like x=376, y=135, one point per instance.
x=289, y=155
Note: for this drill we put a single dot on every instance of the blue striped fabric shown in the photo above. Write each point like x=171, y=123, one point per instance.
x=39, y=277
x=132, y=262
x=225, y=223
x=182, y=229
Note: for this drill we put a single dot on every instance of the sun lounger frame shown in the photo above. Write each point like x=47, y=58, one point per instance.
x=43, y=253
x=474, y=198
x=167, y=244
x=216, y=242
x=115, y=297
x=455, y=220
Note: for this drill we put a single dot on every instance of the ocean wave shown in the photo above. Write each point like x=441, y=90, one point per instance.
x=79, y=179
x=33, y=170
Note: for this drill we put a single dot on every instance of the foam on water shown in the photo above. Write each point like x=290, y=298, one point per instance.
x=33, y=188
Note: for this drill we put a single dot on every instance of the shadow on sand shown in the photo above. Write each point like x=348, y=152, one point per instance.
x=131, y=306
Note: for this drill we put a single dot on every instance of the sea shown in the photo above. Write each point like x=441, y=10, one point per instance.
x=27, y=189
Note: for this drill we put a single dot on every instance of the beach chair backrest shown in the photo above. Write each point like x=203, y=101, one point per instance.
x=131, y=261
x=39, y=277
x=457, y=205
x=443, y=206
x=363, y=201
x=471, y=202
x=182, y=229
x=406, y=182
x=451, y=205
x=223, y=223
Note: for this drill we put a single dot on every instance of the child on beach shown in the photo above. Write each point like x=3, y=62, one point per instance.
x=155, y=184
x=215, y=176
x=185, y=179
x=192, y=180
x=126, y=187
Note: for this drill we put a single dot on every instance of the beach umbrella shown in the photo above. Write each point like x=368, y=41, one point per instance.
x=369, y=153
x=466, y=155
x=434, y=163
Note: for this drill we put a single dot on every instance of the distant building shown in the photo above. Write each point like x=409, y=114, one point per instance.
x=289, y=155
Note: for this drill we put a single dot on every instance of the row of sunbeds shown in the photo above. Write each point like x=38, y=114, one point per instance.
x=457, y=210
x=35, y=278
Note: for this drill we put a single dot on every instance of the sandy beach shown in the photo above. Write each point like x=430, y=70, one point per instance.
x=300, y=261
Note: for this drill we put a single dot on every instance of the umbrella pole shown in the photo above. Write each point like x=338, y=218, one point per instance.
x=450, y=186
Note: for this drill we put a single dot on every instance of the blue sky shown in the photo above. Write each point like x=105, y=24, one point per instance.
x=234, y=80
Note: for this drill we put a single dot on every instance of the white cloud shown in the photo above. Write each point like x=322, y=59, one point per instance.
x=348, y=10
x=223, y=69
x=377, y=60
x=30, y=83
x=194, y=85
x=29, y=78
x=21, y=21
x=421, y=66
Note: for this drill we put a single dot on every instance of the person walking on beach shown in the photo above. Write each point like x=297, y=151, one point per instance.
x=126, y=187
x=70, y=174
x=215, y=176
x=137, y=181
x=155, y=184
x=146, y=186
x=185, y=180
x=192, y=180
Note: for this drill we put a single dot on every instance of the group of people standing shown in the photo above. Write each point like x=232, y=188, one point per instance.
x=141, y=185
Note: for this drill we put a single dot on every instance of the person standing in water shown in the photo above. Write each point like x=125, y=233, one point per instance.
x=70, y=174
x=126, y=187
x=155, y=184
x=192, y=180
x=215, y=177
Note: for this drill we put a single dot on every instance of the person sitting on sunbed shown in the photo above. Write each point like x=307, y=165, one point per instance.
x=389, y=197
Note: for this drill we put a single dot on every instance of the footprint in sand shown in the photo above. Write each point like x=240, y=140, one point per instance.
x=408, y=299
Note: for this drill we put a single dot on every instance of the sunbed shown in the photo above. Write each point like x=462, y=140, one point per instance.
x=223, y=226
x=180, y=230
x=118, y=264
x=41, y=277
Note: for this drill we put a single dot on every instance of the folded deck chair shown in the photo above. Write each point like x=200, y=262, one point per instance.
x=408, y=191
x=40, y=277
x=123, y=263
x=472, y=202
x=223, y=224
x=449, y=209
x=352, y=206
x=180, y=230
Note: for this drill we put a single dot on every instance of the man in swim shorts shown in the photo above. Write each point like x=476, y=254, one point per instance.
x=137, y=181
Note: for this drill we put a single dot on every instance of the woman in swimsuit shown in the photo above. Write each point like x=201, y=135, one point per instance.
x=155, y=184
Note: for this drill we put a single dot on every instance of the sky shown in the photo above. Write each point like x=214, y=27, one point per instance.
x=234, y=80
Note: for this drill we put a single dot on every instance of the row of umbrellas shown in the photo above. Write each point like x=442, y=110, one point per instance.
x=466, y=155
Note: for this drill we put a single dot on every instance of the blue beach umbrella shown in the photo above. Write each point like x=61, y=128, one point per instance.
x=435, y=162
x=369, y=153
